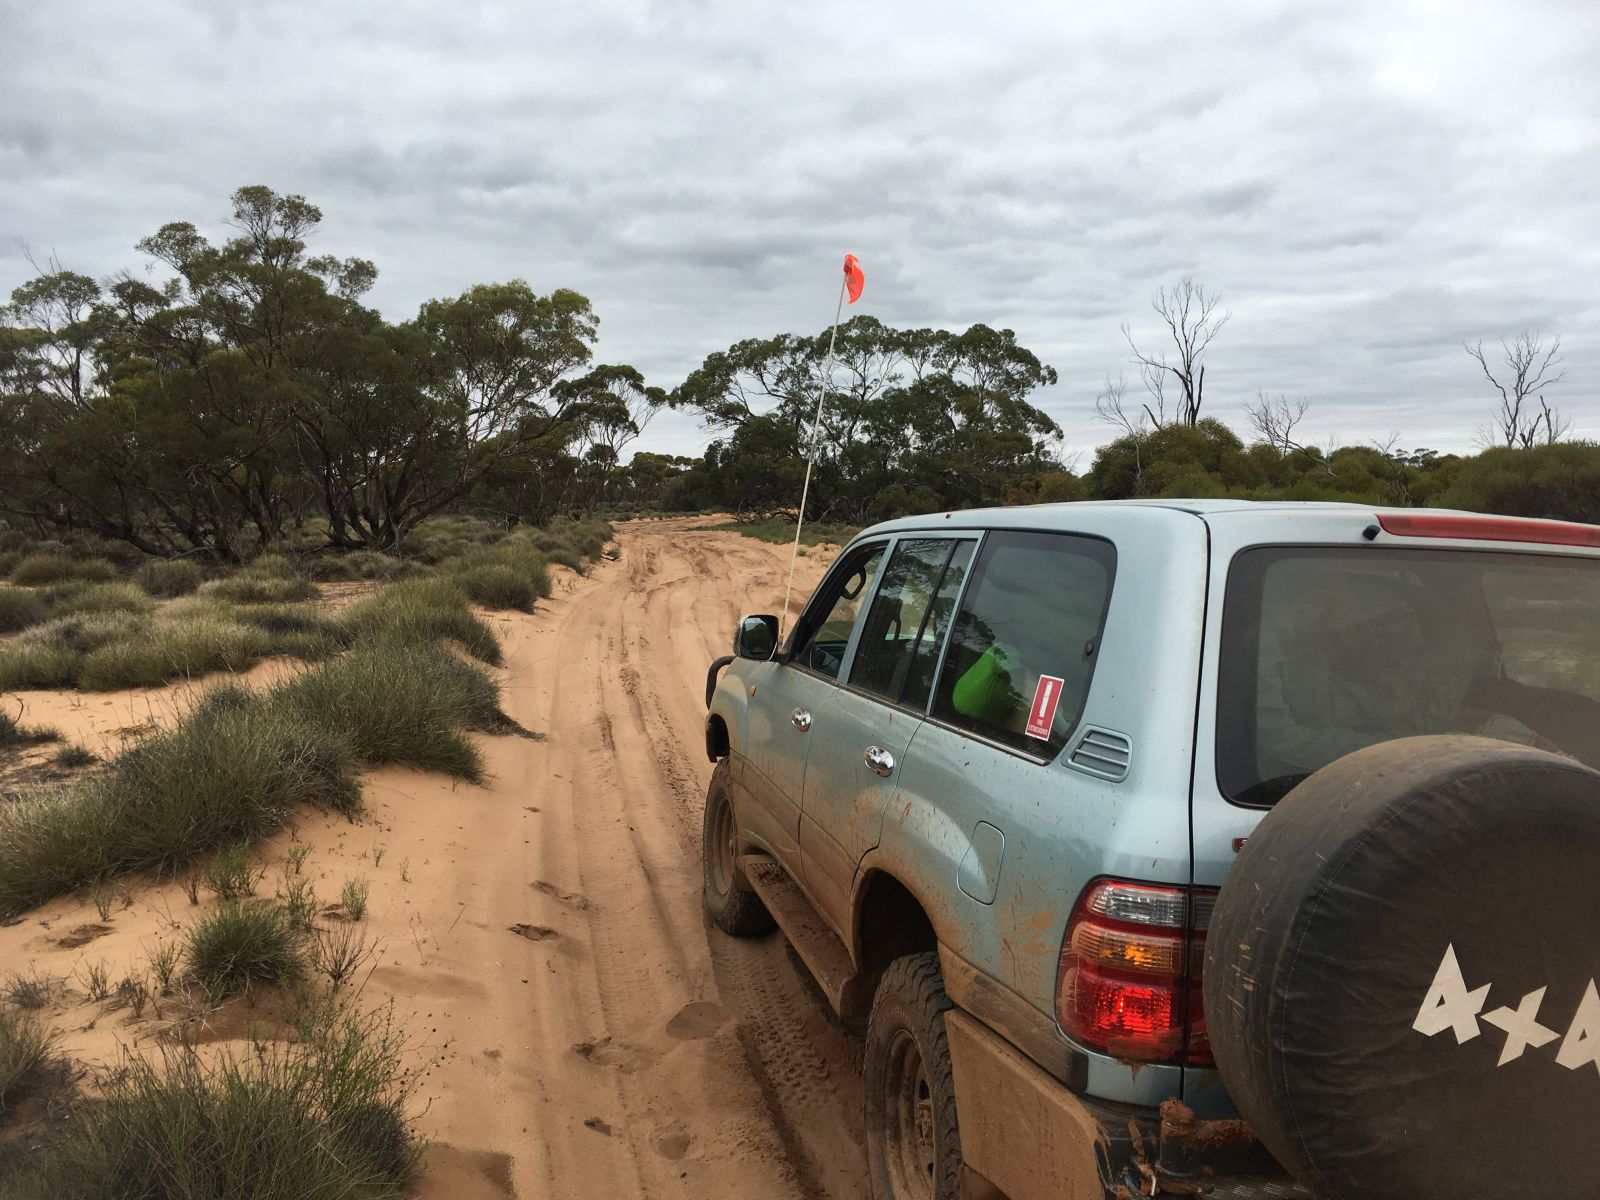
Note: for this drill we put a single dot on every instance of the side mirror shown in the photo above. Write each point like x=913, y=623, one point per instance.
x=756, y=637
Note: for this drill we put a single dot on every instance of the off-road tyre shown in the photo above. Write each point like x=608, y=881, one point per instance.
x=730, y=904
x=1400, y=973
x=913, y=1136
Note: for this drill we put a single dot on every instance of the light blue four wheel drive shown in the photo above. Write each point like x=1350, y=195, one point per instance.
x=1118, y=823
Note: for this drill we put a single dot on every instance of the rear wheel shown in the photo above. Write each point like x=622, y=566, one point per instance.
x=731, y=905
x=913, y=1140
x=1399, y=981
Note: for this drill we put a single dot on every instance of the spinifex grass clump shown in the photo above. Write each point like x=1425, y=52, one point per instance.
x=398, y=701
x=423, y=611
x=39, y=569
x=25, y=1047
x=240, y=762
x=323, y=1118
x=233, y=770
x=21, y=608
x=169, y=577
x=239, y=944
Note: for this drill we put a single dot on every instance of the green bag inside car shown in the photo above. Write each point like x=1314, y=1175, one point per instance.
x=984, y=691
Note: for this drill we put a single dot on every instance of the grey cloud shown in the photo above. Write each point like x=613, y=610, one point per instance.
x=1367, y=183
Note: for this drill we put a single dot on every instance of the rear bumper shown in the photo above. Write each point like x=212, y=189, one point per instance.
x=1028, y=1137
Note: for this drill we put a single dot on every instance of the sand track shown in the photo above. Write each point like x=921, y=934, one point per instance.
x=542, y=935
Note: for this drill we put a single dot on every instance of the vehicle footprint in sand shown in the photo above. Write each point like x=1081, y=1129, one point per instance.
x=697, y=1020
x=570, y=899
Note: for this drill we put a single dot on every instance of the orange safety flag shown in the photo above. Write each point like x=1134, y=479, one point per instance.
x=854, y=278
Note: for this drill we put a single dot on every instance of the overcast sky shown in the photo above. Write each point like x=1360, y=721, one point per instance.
x=1366, y=183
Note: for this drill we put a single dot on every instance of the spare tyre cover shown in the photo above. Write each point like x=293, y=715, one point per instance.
x=1400, y=977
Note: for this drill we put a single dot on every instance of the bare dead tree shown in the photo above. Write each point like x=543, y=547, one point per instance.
x=1192, y=320
x=1274, y=419
x=1109, y=407
x=1523, y=417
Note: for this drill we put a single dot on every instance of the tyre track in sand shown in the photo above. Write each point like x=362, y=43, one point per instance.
x=643, y=1054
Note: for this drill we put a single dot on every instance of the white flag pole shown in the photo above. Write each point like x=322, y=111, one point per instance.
x=811, y=458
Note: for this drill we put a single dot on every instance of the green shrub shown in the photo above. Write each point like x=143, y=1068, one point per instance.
x=362, y=564
x=120, y=596
x=495, y=585
x=321, y=1118
x=232, y=771
x=174, y=649
x=169, y=577
x=566, y=556
x=518, y=556
x=20, y=608
x=399, y=702
x=13, y=734
x=423, y=611
x=39, y=569
x=25, y=1048
x=239, y=944
x=248, y=588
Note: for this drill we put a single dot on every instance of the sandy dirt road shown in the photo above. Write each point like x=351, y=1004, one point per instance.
x=616, y=1047
x=541, y=936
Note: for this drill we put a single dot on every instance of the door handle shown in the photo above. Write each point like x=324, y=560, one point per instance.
x=801, y=719
x=879, y=761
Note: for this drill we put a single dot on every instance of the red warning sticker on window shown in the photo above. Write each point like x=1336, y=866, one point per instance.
x=1043, y=714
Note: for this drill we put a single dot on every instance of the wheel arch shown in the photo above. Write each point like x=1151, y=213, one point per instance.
x=889, y=921
x=717, y=741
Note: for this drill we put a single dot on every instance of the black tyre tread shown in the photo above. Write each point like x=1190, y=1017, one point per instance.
x=916, y=985
x=740, y=912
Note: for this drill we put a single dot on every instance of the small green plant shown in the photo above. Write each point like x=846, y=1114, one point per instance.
x=96, y=980
x=377, y=854
x=26, y=1045
x=353, y=899
x=13, y=735
x=297, y=856
x=300, y=900
x=240, y=944
x=247, y=587
x=191, y=887
x=405, y=870
x=169, y=577
x=229, y=875
x=102, y=903
x=164, y=964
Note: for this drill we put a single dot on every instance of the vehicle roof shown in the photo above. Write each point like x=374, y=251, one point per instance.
x=1044, y=515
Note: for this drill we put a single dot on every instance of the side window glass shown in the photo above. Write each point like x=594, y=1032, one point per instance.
x=905, y=627
x=1024, y=644
x=824, y=630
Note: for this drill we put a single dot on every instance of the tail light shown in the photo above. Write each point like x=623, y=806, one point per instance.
x=1128, y=982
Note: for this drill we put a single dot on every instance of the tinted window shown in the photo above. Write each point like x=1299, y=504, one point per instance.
x=905, y=627
x=1023, y=648
x=1325, y=651
x=824, y=629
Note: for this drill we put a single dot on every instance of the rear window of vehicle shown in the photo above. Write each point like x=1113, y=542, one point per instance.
x=1023, y=647
x=1327, y=650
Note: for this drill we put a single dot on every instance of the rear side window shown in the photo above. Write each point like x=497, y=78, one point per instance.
x=905, y=627
x=1326, y=650
x=1023, y=648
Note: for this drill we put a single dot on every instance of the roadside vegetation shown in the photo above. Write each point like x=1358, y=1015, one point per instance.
x=326, y=1116
x=394, y=680
x=782, y=532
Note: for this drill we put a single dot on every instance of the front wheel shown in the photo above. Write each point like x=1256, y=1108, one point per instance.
x=732, y=907
x=913, y=1137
